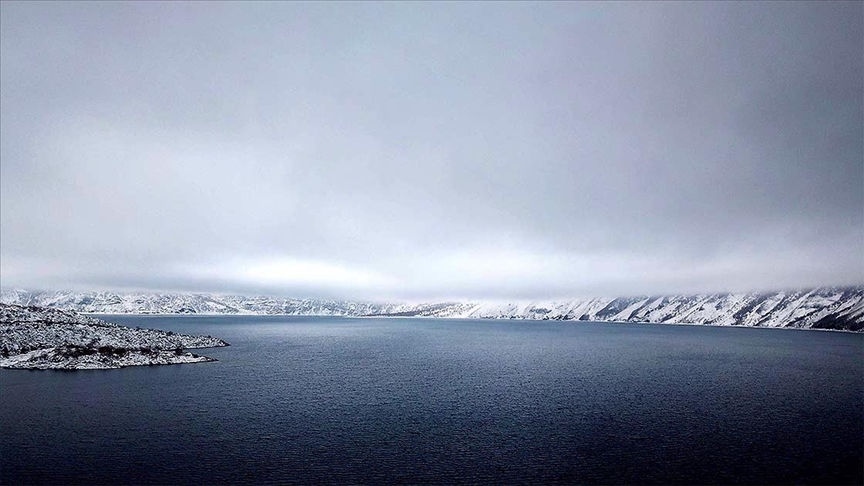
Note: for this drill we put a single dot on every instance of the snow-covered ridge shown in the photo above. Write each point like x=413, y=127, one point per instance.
x=164, y=303
x=821, y=308
x=42, y=338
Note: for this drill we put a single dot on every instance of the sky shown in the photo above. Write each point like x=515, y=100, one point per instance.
x=425, y=151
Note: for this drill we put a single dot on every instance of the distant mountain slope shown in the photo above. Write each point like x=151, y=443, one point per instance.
x=164, y=303
x=821, y=308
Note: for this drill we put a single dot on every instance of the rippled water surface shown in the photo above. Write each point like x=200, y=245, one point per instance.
x=314, y=400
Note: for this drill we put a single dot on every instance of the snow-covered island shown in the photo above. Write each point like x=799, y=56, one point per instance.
x=42, y=338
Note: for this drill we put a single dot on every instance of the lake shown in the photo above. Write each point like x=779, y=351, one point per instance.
x=337, y=400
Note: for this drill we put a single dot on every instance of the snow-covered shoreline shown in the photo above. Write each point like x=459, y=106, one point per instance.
x=60, y=358
x=41, y=338
x=571, y=321
x=829, y=308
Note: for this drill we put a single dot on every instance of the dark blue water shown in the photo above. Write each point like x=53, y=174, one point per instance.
x=314, y=400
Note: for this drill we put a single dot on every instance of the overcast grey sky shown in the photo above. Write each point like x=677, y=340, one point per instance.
x=431, y=150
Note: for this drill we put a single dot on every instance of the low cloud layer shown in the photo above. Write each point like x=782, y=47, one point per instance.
x=435, y=150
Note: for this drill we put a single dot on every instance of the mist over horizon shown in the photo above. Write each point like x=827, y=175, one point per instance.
x=432, y=151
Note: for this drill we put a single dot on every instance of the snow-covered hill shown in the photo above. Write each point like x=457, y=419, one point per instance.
x=163, y=303
x=38, y=337
x=821, y=308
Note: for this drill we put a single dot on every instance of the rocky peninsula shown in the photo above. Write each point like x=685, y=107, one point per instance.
x=42, y=338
